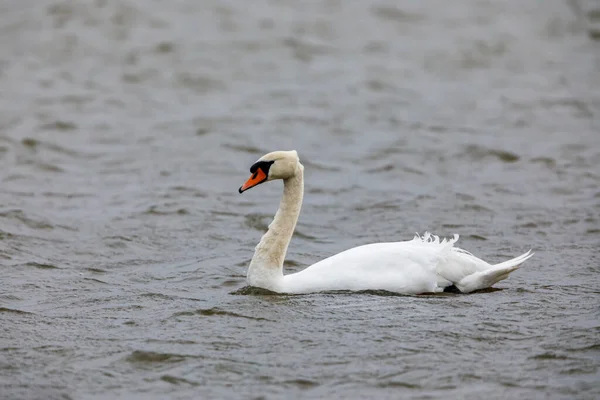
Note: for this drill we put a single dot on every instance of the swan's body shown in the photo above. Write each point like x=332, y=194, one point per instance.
x=422, y=265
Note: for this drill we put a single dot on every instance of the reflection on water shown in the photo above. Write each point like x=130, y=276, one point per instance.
x=126, y=128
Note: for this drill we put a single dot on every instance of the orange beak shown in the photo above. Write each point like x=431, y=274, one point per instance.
x=258, y=177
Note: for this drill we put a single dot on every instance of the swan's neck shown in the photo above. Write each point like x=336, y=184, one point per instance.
x=266, y=267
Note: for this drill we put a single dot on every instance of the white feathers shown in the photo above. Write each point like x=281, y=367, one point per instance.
x=430, y=238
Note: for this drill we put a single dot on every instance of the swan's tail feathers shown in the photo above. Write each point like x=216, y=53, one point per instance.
x=517, y=261
x=485, y=279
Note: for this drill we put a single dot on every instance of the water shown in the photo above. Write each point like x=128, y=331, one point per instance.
x=126, y=128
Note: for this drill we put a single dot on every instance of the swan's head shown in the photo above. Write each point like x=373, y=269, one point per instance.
x=275, y=165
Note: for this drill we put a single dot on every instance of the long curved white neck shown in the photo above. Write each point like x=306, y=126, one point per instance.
x=266, y=267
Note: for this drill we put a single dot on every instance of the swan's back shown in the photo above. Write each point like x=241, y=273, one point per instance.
x=416, y=266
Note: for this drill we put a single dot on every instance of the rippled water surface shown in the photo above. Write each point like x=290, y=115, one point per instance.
x=126, y=128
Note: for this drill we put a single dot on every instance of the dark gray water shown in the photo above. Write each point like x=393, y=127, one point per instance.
x=126, y=128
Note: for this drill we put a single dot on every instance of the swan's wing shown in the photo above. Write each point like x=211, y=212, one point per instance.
x=405, y=267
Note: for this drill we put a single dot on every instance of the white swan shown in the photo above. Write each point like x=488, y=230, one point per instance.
x=422, y=265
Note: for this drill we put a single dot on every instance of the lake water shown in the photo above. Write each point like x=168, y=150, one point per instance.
x=126, y=128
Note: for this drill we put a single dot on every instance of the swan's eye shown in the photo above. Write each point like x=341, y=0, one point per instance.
x=264, y=165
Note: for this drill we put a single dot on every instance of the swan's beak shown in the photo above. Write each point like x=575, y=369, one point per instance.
x=256, y=178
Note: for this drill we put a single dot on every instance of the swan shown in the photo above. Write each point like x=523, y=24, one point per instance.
x=424, y=264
